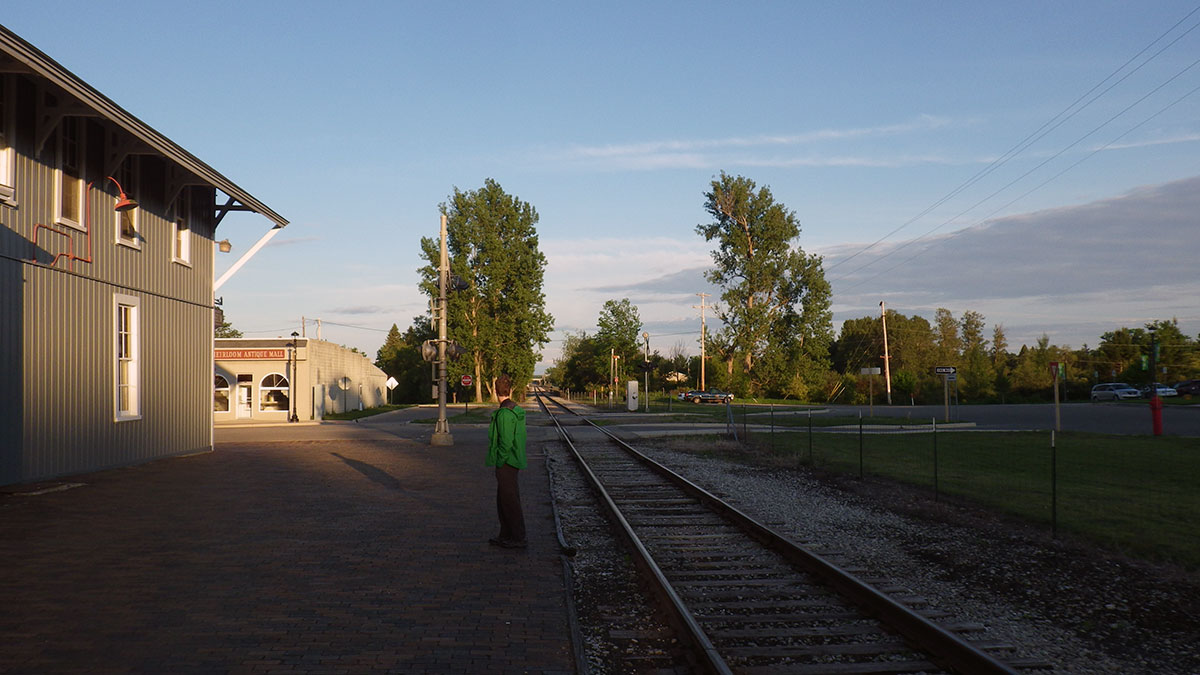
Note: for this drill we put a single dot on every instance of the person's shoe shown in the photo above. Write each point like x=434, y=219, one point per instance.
x=513, y=543
x=496, y=541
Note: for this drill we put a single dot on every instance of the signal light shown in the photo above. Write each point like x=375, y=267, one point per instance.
x=429, y=350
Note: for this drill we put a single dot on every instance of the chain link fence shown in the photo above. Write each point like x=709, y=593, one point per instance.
x=1138, y=494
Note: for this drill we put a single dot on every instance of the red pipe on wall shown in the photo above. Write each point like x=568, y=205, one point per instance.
x=87, y=227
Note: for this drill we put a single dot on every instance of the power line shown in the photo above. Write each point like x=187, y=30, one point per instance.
x=1024, y=175
x=1039, y=133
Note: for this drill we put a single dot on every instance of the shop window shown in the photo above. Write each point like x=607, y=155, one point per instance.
x=273, y=393
x=220, y=394
x=126, y=375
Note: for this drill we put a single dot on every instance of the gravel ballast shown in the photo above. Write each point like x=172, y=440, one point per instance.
x=1070, y=605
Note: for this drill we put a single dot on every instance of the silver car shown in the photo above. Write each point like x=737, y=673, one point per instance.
x=1162, y=389
x=1114, y=391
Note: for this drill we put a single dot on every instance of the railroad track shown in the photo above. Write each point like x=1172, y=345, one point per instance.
x=744, y=599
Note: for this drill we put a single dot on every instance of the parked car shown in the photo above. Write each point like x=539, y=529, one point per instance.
x=1114, y=391
x=710, y=396
x=1162, y=390
x=1187, y=387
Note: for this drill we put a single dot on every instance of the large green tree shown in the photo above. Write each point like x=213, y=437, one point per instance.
x=775, y=306
x=619, y=329
x=500, y=319
x=978, y=374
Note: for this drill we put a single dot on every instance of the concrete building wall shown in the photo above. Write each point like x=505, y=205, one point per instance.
x=351, y=380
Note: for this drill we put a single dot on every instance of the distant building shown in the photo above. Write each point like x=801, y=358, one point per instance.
x=106, y=303
x=261, y=380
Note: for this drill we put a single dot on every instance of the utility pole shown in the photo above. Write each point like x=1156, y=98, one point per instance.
x=441, y=432
x=646, y=367
x=703, y=337
x=887, y=371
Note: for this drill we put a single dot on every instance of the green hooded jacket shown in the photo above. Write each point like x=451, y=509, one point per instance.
x=506, y=438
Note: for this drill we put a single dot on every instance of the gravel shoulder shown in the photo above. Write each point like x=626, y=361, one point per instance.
x=1076, y=607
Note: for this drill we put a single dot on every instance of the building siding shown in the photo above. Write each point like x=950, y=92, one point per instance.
x=57, y=332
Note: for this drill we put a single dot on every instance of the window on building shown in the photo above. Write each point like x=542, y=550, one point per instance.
x=220, y=394
x=128, y=221
x=126, y=375
x=8, y=160
x=181, y=239
x=69, y=174
x=273, y=393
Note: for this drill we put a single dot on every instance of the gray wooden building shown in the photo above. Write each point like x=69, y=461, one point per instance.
x=106, y=278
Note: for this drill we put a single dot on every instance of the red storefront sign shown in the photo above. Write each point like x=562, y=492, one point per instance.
x=248, y=354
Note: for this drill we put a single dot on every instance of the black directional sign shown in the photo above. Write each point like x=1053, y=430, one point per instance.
x=945, y=370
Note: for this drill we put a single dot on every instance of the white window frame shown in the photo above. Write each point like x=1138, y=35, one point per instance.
x=181, y=248
x=263, y=389
x=128, y=335
x=60, y=176
x=8, y=127
x=229, y=402
x=128, y=175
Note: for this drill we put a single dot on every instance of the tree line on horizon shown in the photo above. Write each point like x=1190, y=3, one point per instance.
x=775, y=337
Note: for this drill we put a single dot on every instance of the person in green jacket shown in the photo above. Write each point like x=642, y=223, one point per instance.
x=506, y=452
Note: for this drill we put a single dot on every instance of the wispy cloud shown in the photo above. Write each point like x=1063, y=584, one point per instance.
x=1172, y=140
x=1105, y=264
x=706, y=153
x=292, y=241
x=362, y=310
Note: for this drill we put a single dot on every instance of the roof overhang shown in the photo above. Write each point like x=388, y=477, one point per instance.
x=42, y=65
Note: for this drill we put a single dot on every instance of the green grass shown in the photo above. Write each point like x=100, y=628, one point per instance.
x=1138, y=494
x=356, y=414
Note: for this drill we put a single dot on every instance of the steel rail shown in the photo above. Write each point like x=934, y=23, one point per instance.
x=945, y=648
x=678, y=613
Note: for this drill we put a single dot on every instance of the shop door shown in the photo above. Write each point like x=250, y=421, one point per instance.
x=243, y=401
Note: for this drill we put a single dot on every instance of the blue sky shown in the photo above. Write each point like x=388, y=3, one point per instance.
x=356, y=121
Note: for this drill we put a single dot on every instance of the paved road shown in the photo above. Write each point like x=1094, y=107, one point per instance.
x=1105, y=418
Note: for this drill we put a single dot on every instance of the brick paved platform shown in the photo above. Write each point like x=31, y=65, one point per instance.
x=336, y=550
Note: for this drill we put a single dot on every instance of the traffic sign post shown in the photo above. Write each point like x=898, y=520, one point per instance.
x=870, y=386
x=1054, y=372
x=948, y=374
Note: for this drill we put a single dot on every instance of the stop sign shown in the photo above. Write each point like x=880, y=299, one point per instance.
x=466, y=380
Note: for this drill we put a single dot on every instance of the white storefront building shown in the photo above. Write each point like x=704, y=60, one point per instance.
x=263, y=380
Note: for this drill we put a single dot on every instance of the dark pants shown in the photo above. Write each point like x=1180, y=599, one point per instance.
x=508, y=504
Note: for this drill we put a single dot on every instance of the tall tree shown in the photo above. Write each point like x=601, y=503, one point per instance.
x=946, y=332
x=978, y=375
x=501, y=318
x=620, y=329
x=775, y=299
x=999, y=351
x=226, y=330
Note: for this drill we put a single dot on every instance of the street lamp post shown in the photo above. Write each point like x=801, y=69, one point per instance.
x=292, y=382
